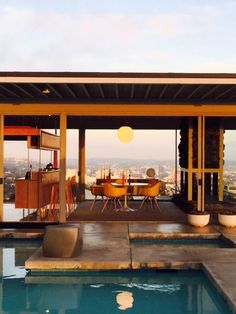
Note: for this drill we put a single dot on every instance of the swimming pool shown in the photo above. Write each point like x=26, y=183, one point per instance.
x=102, y=292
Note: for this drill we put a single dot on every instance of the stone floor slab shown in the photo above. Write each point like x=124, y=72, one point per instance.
x=153, y=230
x=100, y=251
x=224, y=279
x=103, y=227
x=21, y=233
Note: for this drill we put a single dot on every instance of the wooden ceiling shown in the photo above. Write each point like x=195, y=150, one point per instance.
x=114, y=88
x=41, y=87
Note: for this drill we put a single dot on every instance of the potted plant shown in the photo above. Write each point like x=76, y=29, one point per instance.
x=227, y=218
x=198, y=218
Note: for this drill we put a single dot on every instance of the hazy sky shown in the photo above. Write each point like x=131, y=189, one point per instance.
x=124, y=36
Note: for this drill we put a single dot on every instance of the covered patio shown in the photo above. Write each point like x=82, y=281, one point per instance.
x=186, y=102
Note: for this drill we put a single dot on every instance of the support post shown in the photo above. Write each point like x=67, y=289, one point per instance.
x=55, y=155
x=62, y=183
x=221, y=161
x=190, y=160
x=81, y=164
x=199, y=165
x=1, y=165
x=203, y=163
x=176, y=165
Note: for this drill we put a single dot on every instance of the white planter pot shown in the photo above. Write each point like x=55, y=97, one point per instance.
x=227, y=220
x=198, y=220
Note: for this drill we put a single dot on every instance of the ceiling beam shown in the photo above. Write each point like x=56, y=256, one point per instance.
x=55, y=91
x=178, y=91
x=147, y=92
x=70, y=90
x=117, y=91
x=225, y=92
x=142, y=110
x=23, y=90
x=132, y=91
x=196, y=89
x=214, y=88
x=163, y=91
x=38, y=90
x=101, y=90
x=5, y=89
x=85, y=90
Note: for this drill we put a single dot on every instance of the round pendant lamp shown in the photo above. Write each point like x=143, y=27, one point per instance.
x=125, y=134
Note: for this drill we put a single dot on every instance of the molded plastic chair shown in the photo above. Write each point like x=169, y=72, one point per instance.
x=96, y=190
x=150, y=193
x=114, y=193
x=70, y=199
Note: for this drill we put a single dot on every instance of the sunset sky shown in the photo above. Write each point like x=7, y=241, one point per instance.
x=119, y=36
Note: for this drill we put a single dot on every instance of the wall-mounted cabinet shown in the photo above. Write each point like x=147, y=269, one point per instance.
x=45, y=141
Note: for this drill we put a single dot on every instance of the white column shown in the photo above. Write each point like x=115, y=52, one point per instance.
x=1, y=164
x=62, y=183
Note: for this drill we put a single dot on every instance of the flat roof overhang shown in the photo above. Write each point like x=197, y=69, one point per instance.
x=143, y=100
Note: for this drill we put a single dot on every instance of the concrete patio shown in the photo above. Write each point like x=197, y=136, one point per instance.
x=107, y=246
x=169, y=212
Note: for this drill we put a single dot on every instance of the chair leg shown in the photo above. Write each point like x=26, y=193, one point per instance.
x=151, y=202
x=120, y=203
x=145, y=198
x=93, y=203
x=157, y=203
x=105, y=205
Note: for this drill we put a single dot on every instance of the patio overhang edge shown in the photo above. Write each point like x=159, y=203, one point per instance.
x=223, y=110
x=117, y=78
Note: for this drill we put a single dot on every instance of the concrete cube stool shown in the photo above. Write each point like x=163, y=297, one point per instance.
x=62, y=241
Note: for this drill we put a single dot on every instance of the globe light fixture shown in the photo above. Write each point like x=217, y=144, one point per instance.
x=125, y=134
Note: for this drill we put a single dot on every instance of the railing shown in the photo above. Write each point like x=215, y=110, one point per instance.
x=230, y=196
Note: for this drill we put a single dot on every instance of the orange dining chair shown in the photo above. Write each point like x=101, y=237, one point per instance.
x=54, y=203
x=113, y=194
x=54, y=200
x=150, y=193
x=70, y=200
x=96, y=190
x=74, y=187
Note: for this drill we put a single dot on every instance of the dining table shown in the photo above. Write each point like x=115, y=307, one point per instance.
x=133, y=190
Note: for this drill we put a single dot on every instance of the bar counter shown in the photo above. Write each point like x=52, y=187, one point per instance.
x=36, y=192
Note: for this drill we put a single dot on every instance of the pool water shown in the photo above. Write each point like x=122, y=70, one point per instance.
x=215, y=243
x=145, y=292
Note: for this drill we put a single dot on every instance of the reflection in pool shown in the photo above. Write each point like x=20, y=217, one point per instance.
x=103, y=292
x=124, y=300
